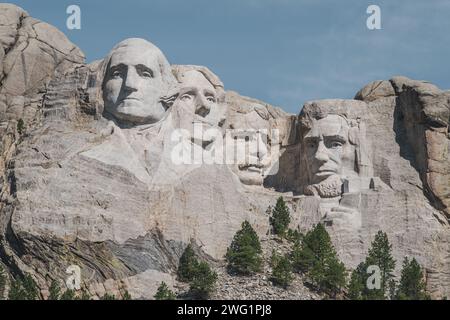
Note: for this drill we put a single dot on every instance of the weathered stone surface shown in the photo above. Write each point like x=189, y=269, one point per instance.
x=376, y=90
x=422, y=126
x=31, y=52
x=395, y=198
x=100, y=178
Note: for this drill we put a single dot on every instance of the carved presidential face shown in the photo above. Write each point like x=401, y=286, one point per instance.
x=253, y=155
x=197, y=93
x=197, y=106
x=328, y=153
x=134, y=83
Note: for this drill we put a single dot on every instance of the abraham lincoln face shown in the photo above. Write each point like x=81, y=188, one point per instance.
x=328, y=155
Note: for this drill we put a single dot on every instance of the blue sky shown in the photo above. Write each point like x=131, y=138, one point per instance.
x=284, y=52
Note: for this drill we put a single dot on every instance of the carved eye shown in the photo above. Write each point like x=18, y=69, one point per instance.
x=186, y=97
x=336, y=144
x=116, y=74
x=144, y=72
x=211, y=99
x=312, y=145
x=147, y=74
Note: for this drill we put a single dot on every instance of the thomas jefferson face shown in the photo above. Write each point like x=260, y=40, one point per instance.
x=197, y=106
x=133, y=84
x=197, y=93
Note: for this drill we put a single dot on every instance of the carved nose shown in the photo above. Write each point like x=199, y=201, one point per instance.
x=202, y=106
x=132, y=79
x=321, y=153
x=262, y=149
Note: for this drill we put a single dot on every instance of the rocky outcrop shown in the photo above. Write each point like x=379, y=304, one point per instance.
x=93, y=184
x=31, y=52
x=422, y=122
x=382, y=188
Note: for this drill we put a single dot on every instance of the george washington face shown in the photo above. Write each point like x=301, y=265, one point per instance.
x=134, y=82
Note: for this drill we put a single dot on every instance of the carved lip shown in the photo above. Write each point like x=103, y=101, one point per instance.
x=326, y=172
x=257, y=168
x=130, y=98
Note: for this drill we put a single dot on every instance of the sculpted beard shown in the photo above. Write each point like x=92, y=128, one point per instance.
x=328, y=188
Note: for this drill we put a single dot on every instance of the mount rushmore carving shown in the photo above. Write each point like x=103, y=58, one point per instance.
x=126, y=160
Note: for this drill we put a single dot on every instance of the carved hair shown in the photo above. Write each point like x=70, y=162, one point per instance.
x=179, y=70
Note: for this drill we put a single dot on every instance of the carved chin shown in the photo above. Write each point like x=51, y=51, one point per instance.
x=251, y=180
x=135, y=111
x=249, y=177
x=329, y=188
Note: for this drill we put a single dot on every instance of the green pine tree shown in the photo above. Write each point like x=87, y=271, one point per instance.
x=108, y=296
x=199, y=275
x=2, y=281
x=23, y=289
x=20, y=126
x=204, y=281
x=281, y=270
x=316, y=257
x=334, y=278
x=187, y=265
x=316, y=245
x=164, y=293
x=55, y=291
x=294, y=236
x=280, y=218
x=30, y=288
x=126, y=295
x=302, y=257
x=16, y=292
x=85, y=295
x=357, y=282
x=412, y=285
x=69, y=294
x=244, y=253
x=380, y=254
x=392, y=287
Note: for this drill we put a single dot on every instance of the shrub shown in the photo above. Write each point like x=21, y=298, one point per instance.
x=25, y=289
x=280, y=218
x=164, y=293
x=244, y=253
x=316, y=257
x=411, y=285
x=187, y=265
x=281, y=270
x=55, y=291
x=2, y=281
x=203, y=282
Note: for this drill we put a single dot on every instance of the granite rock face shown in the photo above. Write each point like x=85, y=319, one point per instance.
x=124, y=162
x=31, y=52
